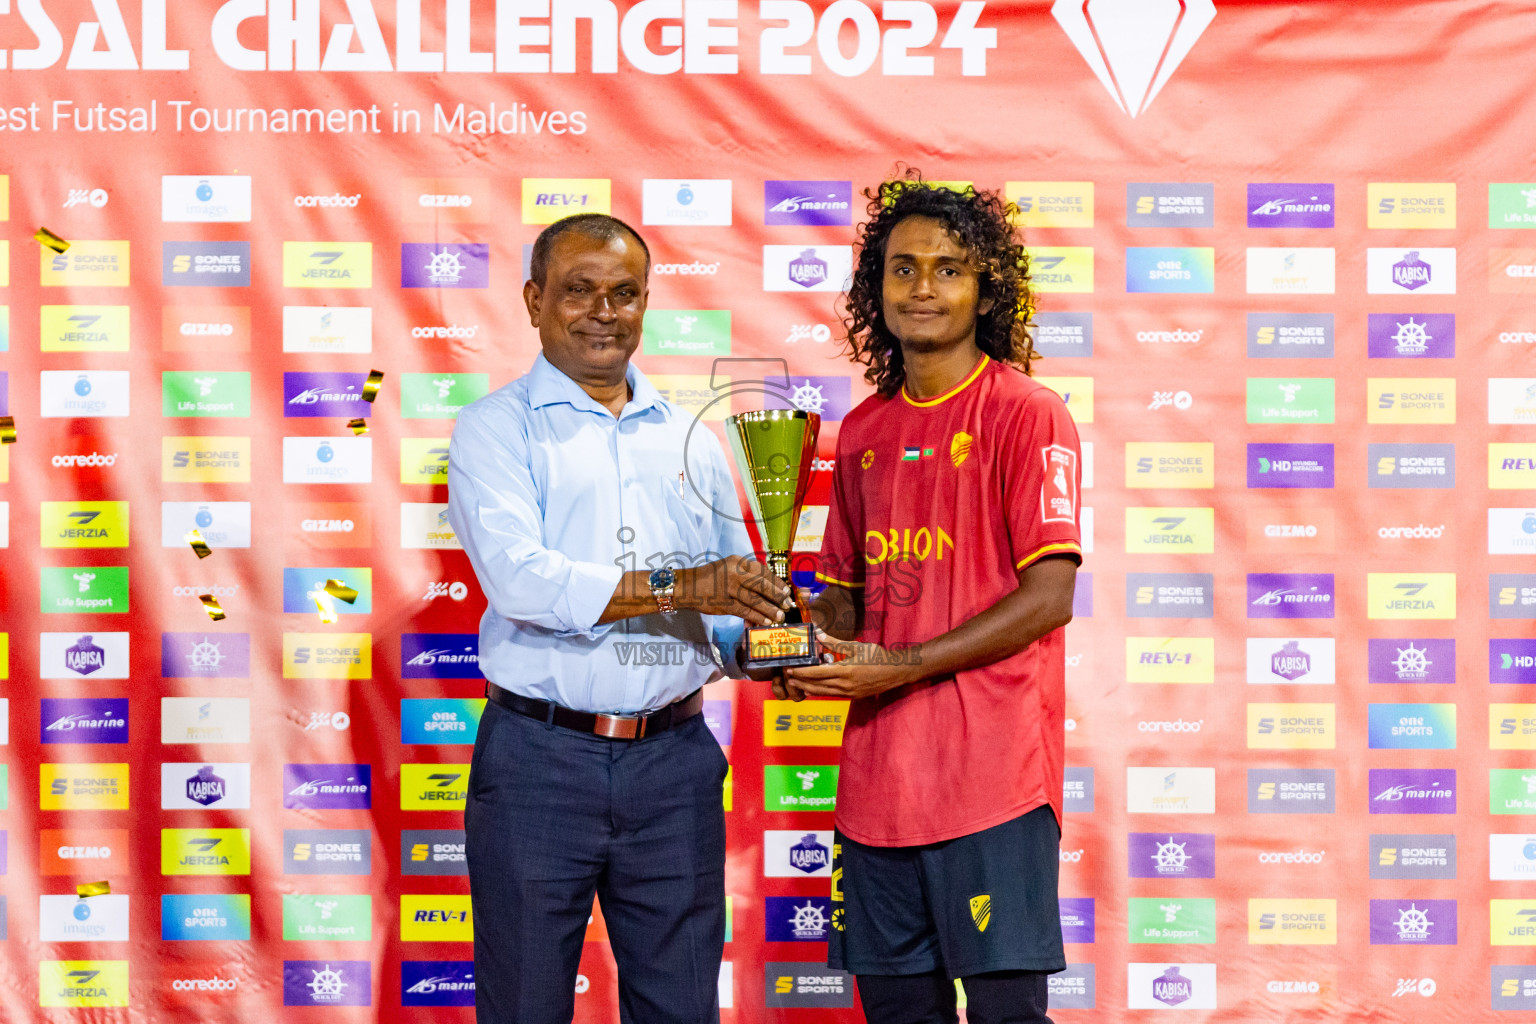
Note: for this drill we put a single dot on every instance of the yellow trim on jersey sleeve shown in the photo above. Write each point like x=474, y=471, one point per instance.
x=952, y=392
x=841, y=583
x=1065, y=547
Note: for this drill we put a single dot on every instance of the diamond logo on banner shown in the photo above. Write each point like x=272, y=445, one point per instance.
x=1134, y=46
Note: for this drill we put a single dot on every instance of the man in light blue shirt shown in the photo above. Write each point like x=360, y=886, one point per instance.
x=591, y=510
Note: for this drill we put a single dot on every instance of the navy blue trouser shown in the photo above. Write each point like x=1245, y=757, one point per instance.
x=555, y=816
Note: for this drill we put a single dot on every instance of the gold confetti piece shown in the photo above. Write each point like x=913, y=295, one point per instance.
x=359, y=426
x=7, y=430
x=326, y=607
x=211, y=606
x=195, y=538
x=88, y=889
x=371, y=389
x=50, y=239
x=340, y=591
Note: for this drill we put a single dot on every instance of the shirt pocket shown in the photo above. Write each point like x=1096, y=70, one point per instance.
x=690, y=519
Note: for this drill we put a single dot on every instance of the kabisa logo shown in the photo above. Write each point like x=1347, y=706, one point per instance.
x=1171, y=988
x=206, y=787
x=1133, y=49
x=808, y=855
x=84, y=657
x=818, y=268
x=1420, y=271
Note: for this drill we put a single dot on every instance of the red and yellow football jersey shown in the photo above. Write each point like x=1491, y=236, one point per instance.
x=936, y=507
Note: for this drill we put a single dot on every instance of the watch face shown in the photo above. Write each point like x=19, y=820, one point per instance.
x=661, y=578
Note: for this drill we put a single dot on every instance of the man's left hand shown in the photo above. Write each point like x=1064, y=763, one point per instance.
x=863, y=671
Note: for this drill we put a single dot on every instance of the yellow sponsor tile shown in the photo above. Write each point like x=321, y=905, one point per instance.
x=205, y=851
x=1292, y=726
x=84, y=524
x=1170, y=659
x=83, y=787
x=1067, y=269
x=1393, y=204
x=1411, y=400
x=199, y=459
x=1190, y=531
x=1170, y=464
x=327, y=656
x=437, y=917
x=327, y=264
x=433, y=787
x=82, y=983
x=1410, y=595
x=1293, y=922
x=546, y=200
x=810, y=723
x=1051, y=204
x=1077, y=392
x=86, y=264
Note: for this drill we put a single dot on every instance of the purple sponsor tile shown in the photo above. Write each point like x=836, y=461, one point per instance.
x=1290, y=206
x=1412, y=791
x=440, y=656
x=1171, y=855
x=5, y=865
x=325, y=394
x=1082, y=596
x=1077, y=919
x=1290, y=465
x=327, y=983
x=325, y=787
x=808, y=202
x=1290, y=595
x=717, y=715
x=797, y=918
x=1411, y=661
x=5, y=393
x=1413, y=922
x=205, y=655
x=430, y=265
x=437, y=983
x=829, y=397
x=1411, y=335
x=84, y=720
x=1512, y=661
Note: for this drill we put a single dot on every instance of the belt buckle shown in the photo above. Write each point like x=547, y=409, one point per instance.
x=620, y=727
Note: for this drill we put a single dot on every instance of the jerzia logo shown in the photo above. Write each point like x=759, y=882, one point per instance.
x=1134, y=48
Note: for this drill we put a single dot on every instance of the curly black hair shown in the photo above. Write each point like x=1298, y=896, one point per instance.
x=979, y=221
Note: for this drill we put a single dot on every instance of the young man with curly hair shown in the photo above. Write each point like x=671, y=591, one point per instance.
x=950, y=556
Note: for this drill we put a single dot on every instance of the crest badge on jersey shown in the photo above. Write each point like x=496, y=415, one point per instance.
x=981, y=911
x=1058, y=492
x=960, y=447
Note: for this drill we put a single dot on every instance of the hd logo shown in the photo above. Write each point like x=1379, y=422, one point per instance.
x=1170, y=464
x=327, y=264
x=436, y=918
x=1291, y=726
x=84, y=524
x=1170, y=659
x=1293, y=922
x=1406, y=595
x=1170, y=531
x=82, y=983
x=433, y=787
x=84, y=329
x=205, y=851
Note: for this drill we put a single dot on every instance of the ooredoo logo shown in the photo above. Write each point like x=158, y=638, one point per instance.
x=1133, y=49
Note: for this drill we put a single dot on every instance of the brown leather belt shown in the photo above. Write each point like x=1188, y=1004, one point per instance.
x=613, y=727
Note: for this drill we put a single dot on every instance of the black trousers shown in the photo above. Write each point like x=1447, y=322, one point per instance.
x=554, y=817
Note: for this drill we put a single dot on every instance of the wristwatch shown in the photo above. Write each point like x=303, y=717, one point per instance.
x=662, y=582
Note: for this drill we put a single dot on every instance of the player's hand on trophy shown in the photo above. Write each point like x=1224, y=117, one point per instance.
x=734, y=586
x=852, y=669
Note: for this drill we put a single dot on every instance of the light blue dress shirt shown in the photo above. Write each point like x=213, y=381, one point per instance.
x=554, y=499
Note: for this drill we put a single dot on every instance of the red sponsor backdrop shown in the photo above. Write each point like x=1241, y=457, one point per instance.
x=465, y=100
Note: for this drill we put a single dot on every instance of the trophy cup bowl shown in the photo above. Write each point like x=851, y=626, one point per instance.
x=774, y=449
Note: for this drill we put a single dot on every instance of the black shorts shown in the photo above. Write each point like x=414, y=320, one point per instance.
x=982, y=902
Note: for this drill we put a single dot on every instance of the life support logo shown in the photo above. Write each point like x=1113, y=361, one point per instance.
x=1133, y=49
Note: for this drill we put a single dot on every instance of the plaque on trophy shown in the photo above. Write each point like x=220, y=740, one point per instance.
x=774, y=449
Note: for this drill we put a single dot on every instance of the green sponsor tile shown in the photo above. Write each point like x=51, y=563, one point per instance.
x=1299, y=400
x=1512, y=205
x=1171, y=920
x=205, y=393
x=101, y=589
x=324, y=917
x=799, y=787
x=440, y=396
x=1512, y=791
x=687, y=332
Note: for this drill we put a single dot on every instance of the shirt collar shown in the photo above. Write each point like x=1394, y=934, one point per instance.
x=548, y=385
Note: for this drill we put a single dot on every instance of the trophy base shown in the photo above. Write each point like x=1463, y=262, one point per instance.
x=791, y=645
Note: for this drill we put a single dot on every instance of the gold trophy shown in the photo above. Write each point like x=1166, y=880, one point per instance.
x=774, y=450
